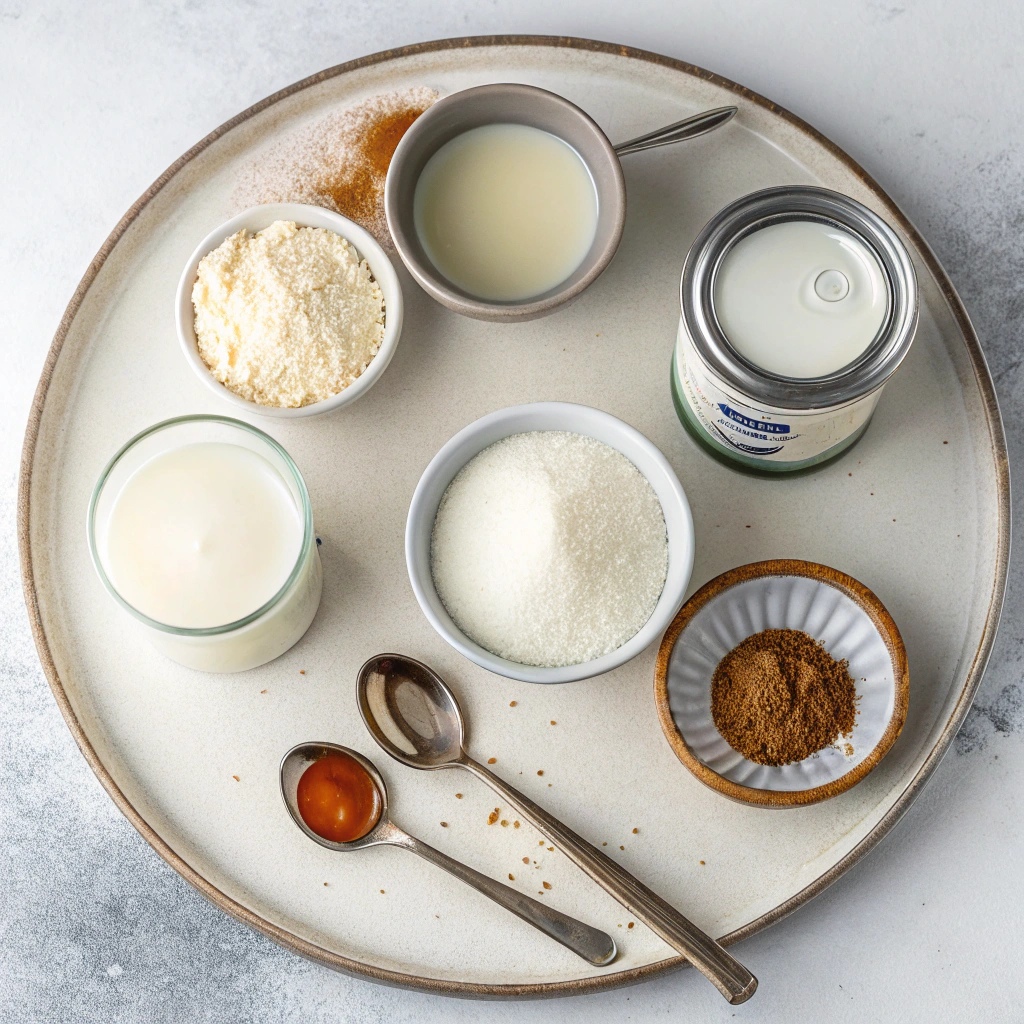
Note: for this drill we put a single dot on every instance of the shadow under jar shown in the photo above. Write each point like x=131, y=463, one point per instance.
x=201, y=528
x=798, y=304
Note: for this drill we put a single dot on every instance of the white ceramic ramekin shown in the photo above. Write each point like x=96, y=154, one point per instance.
x=256, y=219
x=578, y=419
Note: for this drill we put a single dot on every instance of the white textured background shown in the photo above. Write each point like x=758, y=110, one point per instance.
x=97, y=98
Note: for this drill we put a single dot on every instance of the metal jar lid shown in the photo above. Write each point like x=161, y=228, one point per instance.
x=773, y=206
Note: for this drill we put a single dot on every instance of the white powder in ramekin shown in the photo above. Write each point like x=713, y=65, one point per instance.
x=549, y=548
x=288, y=316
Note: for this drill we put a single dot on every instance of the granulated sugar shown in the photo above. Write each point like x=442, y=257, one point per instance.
x=338, y=162
x=549, y=548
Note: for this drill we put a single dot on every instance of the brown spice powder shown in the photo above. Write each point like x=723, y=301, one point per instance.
x=338, y=162
x=779, y=697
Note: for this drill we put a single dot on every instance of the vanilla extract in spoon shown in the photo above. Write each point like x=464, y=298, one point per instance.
x=338, y=799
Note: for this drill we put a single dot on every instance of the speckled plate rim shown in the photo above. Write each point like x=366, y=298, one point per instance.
x=311, y=951
x=851, y=588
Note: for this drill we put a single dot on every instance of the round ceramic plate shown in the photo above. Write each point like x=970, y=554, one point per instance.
x=918, y=511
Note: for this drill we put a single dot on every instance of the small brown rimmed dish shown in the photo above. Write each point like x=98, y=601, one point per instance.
x=830, y=606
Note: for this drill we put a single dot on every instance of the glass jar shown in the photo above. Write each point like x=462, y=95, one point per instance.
x=268, y=631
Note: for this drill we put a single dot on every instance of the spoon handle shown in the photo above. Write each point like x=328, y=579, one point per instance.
x=593, y=945
x=723, y=970
x=689, y=128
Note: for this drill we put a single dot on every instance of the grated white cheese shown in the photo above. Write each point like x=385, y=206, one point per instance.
x=288, y=316
x=549, y=548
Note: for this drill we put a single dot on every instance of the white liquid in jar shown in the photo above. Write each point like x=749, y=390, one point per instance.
x=505, y=211
x=202, y=535
x=801, y=298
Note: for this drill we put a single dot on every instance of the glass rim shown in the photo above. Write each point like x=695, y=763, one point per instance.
x=229, y=627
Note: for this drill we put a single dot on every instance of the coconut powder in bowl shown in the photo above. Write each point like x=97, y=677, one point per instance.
x=287, y=317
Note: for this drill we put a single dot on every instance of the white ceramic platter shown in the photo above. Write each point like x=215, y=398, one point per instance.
x=922, y=522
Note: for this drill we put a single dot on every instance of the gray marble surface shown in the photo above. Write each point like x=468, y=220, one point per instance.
x=98, y=98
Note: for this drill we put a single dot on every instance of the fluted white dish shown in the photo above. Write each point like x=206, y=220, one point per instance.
x=833, y=609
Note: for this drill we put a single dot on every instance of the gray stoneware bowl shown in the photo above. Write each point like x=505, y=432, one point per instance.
x=504, y=104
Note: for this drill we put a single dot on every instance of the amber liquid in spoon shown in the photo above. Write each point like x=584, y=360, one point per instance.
x=337, y=798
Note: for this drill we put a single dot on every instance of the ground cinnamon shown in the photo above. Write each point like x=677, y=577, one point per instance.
x=339, y=161
x=779, y=697
x=357, y=185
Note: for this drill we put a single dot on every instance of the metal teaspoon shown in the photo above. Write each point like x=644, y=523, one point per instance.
x=412, y=714
x=689, y=128
x=593, y=945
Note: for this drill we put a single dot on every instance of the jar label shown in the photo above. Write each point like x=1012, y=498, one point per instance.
x=739, y=424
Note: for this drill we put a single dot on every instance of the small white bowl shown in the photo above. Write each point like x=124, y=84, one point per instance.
x=256, y=219
x=828, y=605
x=578, y=419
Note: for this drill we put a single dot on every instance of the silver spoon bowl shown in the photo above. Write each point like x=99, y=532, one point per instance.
x=414, y=716
x=593, y=945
